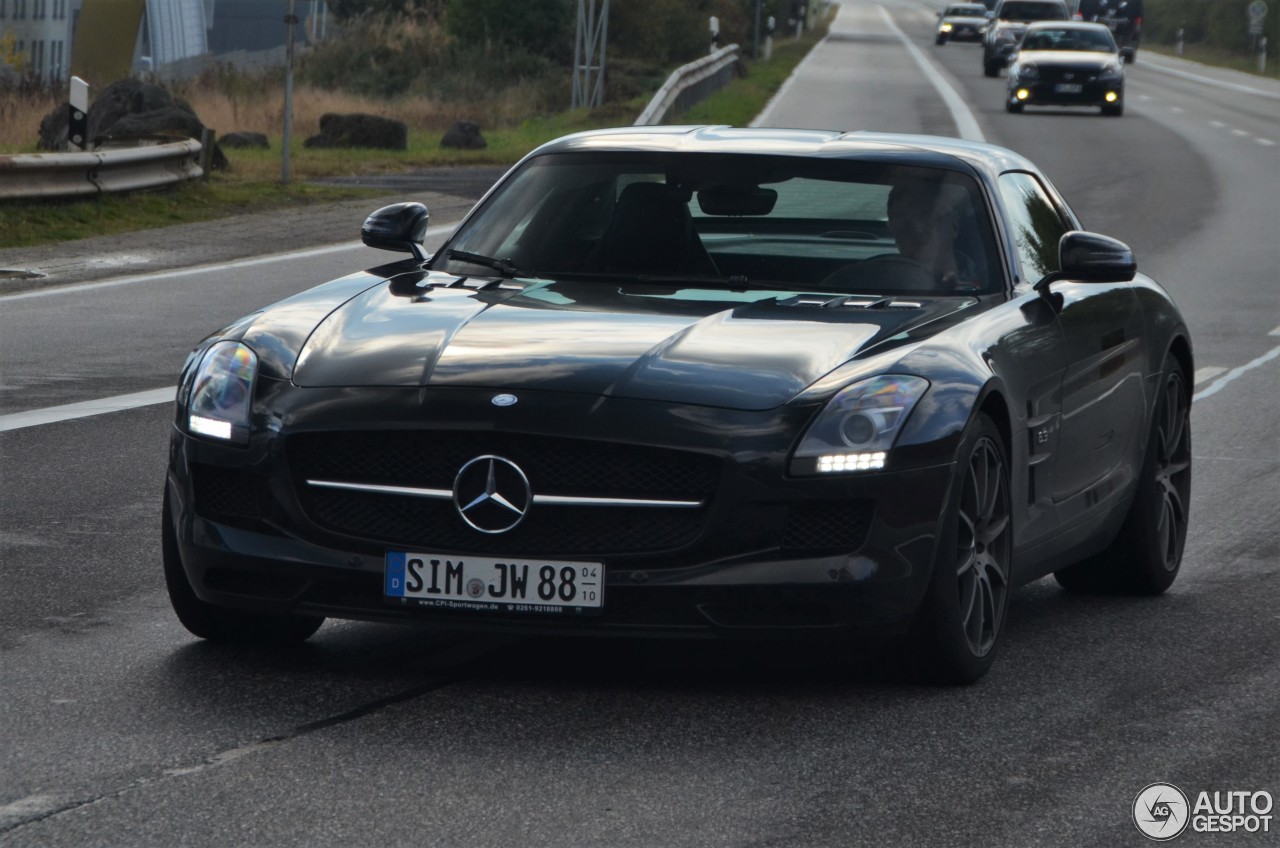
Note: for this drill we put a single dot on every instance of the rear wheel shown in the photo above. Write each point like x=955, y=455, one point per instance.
x=1146, y=555
x=219, y=624
x=963, y=616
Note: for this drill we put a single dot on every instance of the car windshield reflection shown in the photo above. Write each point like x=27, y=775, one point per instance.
x=737, y=221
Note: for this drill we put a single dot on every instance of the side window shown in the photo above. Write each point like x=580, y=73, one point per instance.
x=1037, y=226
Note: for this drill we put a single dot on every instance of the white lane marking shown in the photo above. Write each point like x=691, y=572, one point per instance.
x=766, y=114
x=1217, y=124
x=1144, y=97
x=1229, y=86
x=966, y=123
x=1239, y=132
x=152, y=276
x=1177, y=110
x=1207, y=373
x=83, y=409
x=1222, y=381
x=1265, y=142
x=1275, y=332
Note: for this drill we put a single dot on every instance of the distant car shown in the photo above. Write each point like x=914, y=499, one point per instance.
x=961, y=22
x=1008, y=22
x=1122, y=17
x=690, y=382
x=1067, y=63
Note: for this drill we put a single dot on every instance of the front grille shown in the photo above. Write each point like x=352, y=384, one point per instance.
x=839, y=525
x=230, y=495
x=554, y=466
x=1078, y=75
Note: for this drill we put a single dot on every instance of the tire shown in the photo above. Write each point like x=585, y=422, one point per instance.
x=218, y=624
x=990, y=69
x=1146, y=555
x=962, y=619
x=1013, y=107
x=940, y=40
x=1113, y=111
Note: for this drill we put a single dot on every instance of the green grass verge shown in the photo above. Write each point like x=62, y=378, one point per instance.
x=1218, y=58
x=253, y=182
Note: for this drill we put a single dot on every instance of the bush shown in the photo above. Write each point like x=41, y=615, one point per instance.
x=534, y=27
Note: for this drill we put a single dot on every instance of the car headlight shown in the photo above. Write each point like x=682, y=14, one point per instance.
x=857, y=427
x=1111, y=73
x=222, y=393
x=1027, y=72
x=945, y=27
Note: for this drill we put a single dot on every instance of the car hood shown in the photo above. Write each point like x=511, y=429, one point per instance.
x=1068, y=58
x=742, y=350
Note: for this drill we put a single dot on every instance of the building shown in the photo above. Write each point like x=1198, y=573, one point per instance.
x=177, y=33
x=41, y=33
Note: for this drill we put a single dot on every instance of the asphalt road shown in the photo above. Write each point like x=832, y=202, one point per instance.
x=117, y=728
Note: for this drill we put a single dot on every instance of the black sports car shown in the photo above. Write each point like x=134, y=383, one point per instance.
x=1067, y=63
x=1008, y=23
x=695, y=381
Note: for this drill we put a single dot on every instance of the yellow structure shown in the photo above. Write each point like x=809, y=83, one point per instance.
x=106, y=36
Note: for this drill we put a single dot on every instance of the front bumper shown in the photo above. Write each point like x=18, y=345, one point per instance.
x=769, y=554
x=1049, y=93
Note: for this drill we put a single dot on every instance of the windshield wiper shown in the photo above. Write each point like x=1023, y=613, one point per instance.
x=505, y=267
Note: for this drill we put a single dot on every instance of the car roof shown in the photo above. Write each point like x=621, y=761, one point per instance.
x=891, y=148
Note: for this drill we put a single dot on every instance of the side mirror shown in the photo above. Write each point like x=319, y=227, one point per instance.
x=399, y=227
x=1091, y=258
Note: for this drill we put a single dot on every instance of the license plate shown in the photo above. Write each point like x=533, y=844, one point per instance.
x=494, y=585
x=1068, y=88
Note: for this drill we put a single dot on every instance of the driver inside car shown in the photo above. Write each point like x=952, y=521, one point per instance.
x=925, y=222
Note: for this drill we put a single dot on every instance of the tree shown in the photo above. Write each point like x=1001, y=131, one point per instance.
x=539, y=27
x=345, y=10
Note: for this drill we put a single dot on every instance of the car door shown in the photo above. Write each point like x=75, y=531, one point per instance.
x=1103, y=404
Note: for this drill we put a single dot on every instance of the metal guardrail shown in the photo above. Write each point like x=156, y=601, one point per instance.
x=690, y=84
x=111, y=169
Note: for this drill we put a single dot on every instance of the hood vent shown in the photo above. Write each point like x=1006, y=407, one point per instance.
x=826, y=301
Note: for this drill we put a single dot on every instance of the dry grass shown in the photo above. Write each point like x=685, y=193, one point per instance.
x=20, y=114
x=262, y=110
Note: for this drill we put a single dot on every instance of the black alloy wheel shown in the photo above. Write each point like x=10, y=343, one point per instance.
x=963, y=617
x=982, y=547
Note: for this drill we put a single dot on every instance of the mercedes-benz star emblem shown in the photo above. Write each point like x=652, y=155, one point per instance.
x=491, y=494
x=503, y=400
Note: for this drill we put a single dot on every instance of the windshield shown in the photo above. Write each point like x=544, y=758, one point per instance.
x=803, y=222
x=964, y=11
x=1094, y=40
x=1033, y=12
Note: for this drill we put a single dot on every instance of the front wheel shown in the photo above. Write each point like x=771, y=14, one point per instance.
x=990, y=69
x=218, y=624
x=1113, y=110
x=1013, y=107
x=963, y=615
x=1145, y=557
